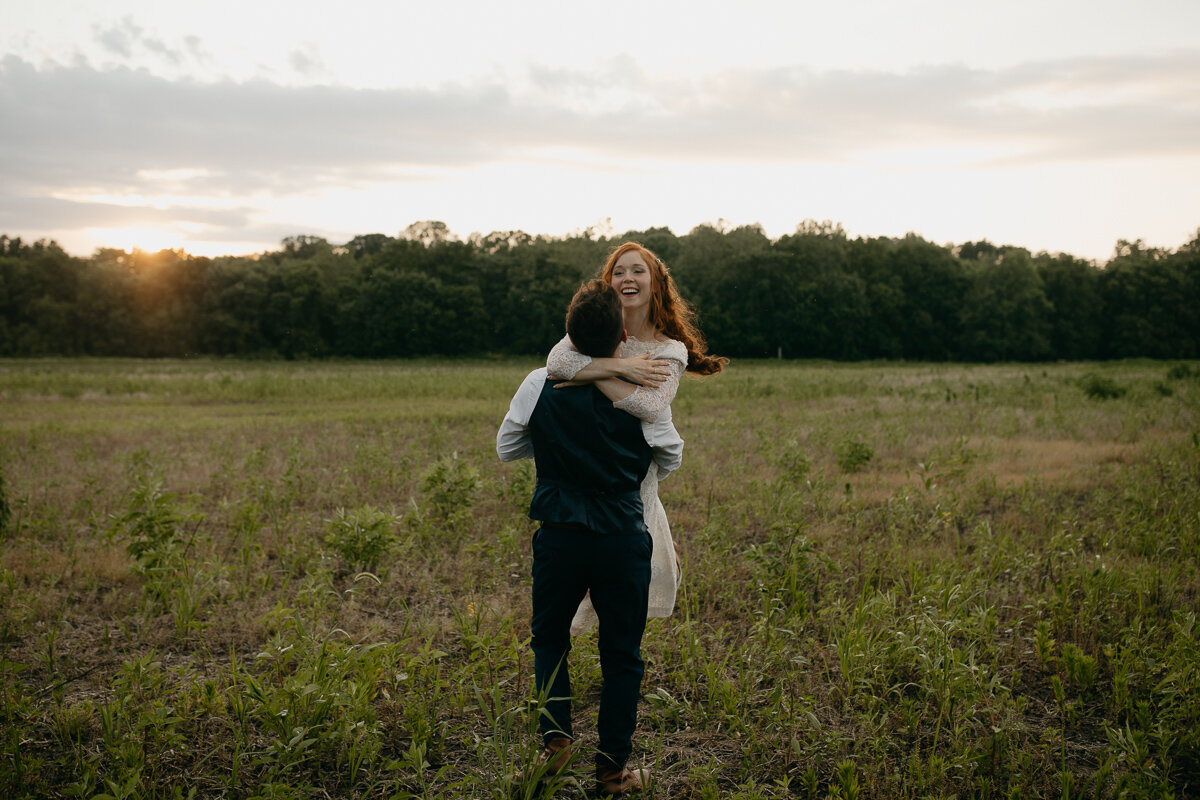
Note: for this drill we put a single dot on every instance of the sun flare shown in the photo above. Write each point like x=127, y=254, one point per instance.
x=150, y=240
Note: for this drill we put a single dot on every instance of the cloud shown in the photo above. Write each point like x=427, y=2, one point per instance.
x=192, y=224
x=75, y=129
x=33, y=212
x=117, y=40
x=127, y=39
x=307, y=61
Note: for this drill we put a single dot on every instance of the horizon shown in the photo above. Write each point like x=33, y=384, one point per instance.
x=720, y=225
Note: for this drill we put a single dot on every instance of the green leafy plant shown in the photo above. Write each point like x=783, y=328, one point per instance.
x=1099, y=387
x=853, y=455
x=450, y=486
x=1179, y=372
x=793, y=463
x=154, y=529
x=361, y=536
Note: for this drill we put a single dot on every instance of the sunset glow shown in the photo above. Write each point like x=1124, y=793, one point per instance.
x=1030, y=123
x=147, y=239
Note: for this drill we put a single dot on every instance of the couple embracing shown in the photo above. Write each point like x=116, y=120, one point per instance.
x=597, y=422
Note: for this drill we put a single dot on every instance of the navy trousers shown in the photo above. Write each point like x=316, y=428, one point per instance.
x=567, y=563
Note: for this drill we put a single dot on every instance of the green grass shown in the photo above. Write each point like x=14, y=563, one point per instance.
x=256, y=579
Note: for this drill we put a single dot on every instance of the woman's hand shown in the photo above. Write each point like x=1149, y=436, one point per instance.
x=643, y=370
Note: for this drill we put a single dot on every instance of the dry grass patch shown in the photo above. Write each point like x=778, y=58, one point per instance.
x=1063, y=463
x=33, y=562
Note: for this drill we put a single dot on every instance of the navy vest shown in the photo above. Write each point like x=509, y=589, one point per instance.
x=591, y=459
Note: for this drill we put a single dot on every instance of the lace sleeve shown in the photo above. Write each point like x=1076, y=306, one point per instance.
x=564, y=360
x=647, y=404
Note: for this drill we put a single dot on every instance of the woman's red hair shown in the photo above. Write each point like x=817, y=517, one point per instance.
x=670, y=314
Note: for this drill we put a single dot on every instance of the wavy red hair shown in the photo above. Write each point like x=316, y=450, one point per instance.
x=669, y=313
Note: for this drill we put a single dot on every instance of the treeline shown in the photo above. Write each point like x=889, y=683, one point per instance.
x=814, y=294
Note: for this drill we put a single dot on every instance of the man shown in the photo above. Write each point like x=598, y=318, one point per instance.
x=591, y=459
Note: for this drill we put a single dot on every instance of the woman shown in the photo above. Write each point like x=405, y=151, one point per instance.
x=662, y=342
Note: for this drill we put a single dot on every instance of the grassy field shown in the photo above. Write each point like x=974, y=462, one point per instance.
x=268, y=580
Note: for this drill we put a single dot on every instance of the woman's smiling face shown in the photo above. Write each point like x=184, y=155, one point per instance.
x=631, y=279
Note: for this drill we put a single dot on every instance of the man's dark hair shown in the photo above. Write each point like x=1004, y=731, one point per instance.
x=594, y=320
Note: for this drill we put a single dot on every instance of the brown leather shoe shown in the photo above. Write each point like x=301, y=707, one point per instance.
x=553, y=759
x=614, y=782
x=557, y=755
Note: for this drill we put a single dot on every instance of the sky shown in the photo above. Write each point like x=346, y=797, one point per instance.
x=222, y=127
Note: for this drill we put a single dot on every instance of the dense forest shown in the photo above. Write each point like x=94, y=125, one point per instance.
x=813, y=294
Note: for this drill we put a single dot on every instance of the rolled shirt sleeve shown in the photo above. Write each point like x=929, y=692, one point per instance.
x=666, y=444
x=512, y=440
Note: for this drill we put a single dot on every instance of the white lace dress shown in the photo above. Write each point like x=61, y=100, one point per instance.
x=645, y=404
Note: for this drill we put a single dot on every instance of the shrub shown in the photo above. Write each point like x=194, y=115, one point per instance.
x=518, y=488
x=361, y=536
x=450, y=486
x=1180, y=372
x=1098, y=387
x=151, y=527
x=853, y=455
x=792, y=462
x=155, y=532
